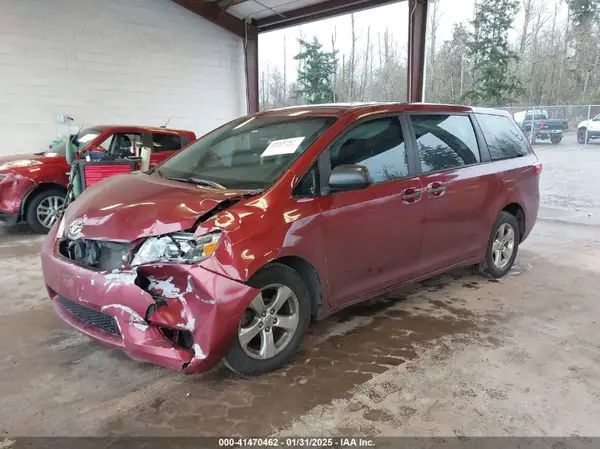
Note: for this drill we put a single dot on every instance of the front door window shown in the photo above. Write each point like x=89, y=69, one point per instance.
x=121, y=145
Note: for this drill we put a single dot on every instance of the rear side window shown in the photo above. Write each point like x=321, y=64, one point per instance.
x=445, y=141
x=166, y=142
x=502, y=136
x=378, y=145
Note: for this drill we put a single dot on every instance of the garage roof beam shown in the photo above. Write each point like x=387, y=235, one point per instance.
x=213, y=13
x=317, y=11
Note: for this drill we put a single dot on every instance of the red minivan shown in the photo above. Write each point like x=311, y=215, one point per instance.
x=230, y=248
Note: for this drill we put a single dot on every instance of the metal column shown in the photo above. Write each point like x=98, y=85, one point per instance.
x=417, y=28
x=251, y=65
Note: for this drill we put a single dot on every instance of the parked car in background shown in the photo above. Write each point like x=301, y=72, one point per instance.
x=33, y=186
x=588, y=130
x=229, y=249
x=543, y=127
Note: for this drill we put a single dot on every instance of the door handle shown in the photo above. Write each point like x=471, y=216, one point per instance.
x=436, y=188
x=411, y=194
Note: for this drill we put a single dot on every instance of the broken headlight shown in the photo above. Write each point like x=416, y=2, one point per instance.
x=179, y=247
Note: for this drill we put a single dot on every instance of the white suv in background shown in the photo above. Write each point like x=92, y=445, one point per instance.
x=588, y=130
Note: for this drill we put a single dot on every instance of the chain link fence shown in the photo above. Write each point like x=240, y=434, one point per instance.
x=579, y=123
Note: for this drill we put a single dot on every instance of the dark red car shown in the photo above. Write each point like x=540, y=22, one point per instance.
x=33, y=186
x=230, y=248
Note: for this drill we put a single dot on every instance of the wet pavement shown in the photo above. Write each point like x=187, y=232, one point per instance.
x=455, y=355
x=570, y=175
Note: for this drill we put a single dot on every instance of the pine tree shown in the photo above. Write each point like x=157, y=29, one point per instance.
x=315, y=72
x=494, y=83
x=583, y=11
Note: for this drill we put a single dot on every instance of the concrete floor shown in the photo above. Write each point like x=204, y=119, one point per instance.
x=456, y=355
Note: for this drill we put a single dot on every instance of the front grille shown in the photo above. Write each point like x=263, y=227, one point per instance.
x=105, y=323
x=98, y=254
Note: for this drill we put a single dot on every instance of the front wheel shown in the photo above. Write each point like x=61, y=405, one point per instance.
x=502, y=247
x=581, y=136
x=44, y=209
x=274, y=323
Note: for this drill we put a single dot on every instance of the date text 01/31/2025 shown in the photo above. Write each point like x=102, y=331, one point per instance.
x=296, y=442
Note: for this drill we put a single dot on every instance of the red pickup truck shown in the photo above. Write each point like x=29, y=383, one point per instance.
x=33, y=186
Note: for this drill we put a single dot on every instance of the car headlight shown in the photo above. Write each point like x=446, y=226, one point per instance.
x=20, y=163
x=179, y=247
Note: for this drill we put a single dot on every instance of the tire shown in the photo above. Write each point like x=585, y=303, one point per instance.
x=489, y=267
x=581, y=136
x=51, y=199
x=556, y=139
x=250, y=359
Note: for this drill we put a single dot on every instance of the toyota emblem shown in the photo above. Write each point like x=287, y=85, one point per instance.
x=75, y=228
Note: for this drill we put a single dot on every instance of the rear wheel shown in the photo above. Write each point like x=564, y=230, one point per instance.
x=274, y=323
x=555, y=139
x=44, y=209
x=502, y=247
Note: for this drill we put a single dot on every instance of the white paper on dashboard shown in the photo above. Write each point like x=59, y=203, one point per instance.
x=283, y=146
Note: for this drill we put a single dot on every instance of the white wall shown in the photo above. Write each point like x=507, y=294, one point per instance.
x=112, y=62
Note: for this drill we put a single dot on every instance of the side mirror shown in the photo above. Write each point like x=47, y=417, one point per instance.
x=349, y=177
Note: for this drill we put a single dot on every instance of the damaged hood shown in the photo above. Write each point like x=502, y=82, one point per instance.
x=125, y=208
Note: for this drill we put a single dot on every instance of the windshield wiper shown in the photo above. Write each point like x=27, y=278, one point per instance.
x=198, y=181
x=251, y=193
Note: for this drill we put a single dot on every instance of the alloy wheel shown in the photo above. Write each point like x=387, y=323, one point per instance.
x=503, y=245
x=49, y=210
x=270, y=322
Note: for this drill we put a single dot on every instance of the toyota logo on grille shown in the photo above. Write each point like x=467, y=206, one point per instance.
x=75, y=228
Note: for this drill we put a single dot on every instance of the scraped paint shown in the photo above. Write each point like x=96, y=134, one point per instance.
x=96, y=221
x=134, y=318
x=171, y=291
x=165, y=287
x=198, y=351
x=139, y=326
x=117, y=278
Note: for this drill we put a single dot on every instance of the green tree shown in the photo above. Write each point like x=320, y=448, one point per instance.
x=315, y=72
x=494, y=82
x=583, y=11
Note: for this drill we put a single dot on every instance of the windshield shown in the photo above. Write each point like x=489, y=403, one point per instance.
x=85, y=137
x=83, y=140
x=248, y=153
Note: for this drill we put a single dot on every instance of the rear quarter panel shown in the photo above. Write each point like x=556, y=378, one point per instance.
x=521, y=185
x=509, y=181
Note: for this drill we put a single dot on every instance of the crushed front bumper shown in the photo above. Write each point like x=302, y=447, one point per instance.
x=149, y=305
